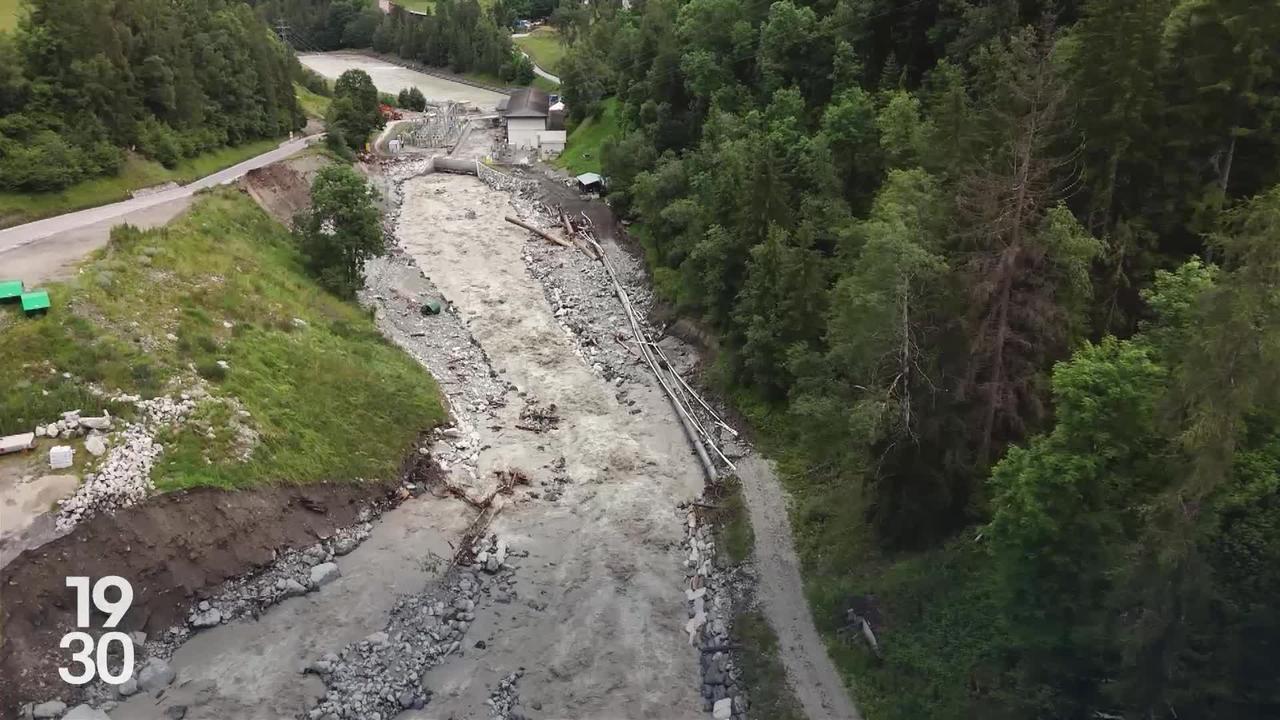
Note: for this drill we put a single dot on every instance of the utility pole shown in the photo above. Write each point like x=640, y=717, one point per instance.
x=282, y=30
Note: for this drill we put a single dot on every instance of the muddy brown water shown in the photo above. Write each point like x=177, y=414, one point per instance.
x=170, y=549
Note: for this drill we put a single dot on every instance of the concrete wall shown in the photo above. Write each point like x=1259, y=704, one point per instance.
x=523, y=132
x=551, y=141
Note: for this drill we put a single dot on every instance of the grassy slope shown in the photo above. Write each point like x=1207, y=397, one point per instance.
x=9, y=14
x=330, y=399
x=315, y=106
x=138, y=172
x=543, y=45
x=582, y=152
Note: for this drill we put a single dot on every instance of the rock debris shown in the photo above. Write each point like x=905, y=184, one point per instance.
x=380, y=676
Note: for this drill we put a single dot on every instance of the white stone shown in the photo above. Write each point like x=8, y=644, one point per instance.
x=723, y=709
x=324, y=573
x=206, y=619
x=97, y=423
x=61, y=457
x=95, y=445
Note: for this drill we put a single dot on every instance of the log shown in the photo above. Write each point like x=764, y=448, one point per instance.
x=536, y=231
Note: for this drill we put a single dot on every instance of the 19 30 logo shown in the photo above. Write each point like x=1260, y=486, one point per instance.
x=91, y=656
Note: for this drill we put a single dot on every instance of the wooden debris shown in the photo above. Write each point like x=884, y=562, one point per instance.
x=546, y=236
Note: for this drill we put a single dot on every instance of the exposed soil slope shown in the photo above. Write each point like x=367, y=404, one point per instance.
x=169, y=549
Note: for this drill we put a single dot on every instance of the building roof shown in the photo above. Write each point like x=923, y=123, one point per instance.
x=589, y=179
x=527, y=103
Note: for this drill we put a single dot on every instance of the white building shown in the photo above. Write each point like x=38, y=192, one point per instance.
x=532, y=122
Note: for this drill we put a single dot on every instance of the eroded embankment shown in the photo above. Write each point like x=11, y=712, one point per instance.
x=170, y=549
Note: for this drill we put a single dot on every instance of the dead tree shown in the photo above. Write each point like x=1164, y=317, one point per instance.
x=1016, y=322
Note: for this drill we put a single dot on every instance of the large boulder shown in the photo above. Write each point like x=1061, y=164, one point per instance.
x=155, y=676
x=323, y=574
x=95, y=445
x=97, y=423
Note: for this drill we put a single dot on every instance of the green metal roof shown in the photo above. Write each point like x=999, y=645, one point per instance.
x=10, y=290
x=35, y=300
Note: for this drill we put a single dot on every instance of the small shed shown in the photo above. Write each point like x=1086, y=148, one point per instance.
x=34, y=302
x=10, y=291
x=590, y=183
x=555, y=116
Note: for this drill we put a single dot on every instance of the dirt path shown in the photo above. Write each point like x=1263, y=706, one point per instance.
x=814, y=678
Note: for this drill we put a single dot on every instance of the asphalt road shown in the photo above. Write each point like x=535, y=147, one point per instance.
x=21, y=236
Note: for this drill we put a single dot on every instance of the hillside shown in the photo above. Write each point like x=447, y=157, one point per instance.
x=189, y=81
x=544, y=46
x=991, y=280
x=298, y=386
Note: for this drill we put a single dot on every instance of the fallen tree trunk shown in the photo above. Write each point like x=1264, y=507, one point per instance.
x=536, y=231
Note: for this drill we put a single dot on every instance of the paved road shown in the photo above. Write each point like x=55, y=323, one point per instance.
x=51, y=249
x=13, y=238
x=537, y=69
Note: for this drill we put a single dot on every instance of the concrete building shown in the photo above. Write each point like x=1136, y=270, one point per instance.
x=533, y=123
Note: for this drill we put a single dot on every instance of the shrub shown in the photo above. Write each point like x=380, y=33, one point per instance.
x=210, y=370
x=341, y=230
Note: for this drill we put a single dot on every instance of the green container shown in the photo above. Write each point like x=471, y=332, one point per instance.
x=10, y=291
x=36, y=301
x=431, y=307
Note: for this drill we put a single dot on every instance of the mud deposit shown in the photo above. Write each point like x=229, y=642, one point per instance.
x=170, y=548
x=598, y=628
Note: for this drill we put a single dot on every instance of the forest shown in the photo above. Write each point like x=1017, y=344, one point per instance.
x=999, y=279
x=461, y=35
x=84, y=81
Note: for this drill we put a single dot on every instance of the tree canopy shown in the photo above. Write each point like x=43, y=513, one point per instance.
x=84, y=80
x=996, y=267
x=340, y=230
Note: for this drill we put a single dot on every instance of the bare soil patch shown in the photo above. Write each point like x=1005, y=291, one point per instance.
x=170, y=548
x=283, y=189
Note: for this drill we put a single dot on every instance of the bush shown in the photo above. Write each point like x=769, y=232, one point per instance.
x=159, y=142
x=341, y=230
x=313, y=81
x=518, y=69
x=45, y=163
x=412, y=99
x=212, y=371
